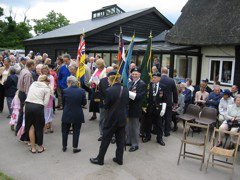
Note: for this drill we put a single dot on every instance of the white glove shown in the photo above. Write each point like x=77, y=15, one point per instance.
x=163, y=109
x=132, y=95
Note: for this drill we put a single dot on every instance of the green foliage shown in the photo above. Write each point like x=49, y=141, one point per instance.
x=52, y=21
x=12, y=33
x=5, y=177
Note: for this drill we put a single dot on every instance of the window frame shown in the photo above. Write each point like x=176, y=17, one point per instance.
x=221, y=60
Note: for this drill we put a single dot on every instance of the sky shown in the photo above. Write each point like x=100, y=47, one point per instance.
x=77, y=10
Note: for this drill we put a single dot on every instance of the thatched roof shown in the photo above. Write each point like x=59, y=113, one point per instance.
x=207, y=22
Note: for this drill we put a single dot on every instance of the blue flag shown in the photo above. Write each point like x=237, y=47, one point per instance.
x=125, y=72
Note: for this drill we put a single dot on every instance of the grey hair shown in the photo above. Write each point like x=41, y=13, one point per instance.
x=72, y=80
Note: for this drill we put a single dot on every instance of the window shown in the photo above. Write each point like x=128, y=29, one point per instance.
x=61, y=52
x=222, y=70
x=106, y=58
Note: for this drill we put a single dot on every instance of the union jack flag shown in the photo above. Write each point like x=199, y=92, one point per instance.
x=81, y=58
x=121, y=52
x=81, y=47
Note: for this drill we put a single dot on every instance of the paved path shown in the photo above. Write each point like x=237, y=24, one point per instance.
x=151, y=161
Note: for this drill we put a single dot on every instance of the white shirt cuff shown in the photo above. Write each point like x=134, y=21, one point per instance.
x=132, y=95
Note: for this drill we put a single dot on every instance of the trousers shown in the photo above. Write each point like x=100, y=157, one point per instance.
x=76, y=133
x=132, y=130
x=106, y=139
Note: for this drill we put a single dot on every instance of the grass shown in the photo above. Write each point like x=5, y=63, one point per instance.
x=5, y=177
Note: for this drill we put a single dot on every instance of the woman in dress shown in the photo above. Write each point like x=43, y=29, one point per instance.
x=98, y=74
x=48, y=111
x=38, y=97
x=202, y=95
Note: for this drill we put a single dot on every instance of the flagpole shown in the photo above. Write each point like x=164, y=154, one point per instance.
x=122, y=60
x=149, y=59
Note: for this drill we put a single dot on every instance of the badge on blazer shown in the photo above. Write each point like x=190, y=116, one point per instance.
x=160, y=93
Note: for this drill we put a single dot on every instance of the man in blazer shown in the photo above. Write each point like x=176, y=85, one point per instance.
x=63, y=74
x=116, y=103
x=172, y=97
x=73, y=100
x=137, y=90
x=156, y=109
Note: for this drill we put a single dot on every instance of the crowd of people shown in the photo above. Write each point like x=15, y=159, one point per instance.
x=35, y=87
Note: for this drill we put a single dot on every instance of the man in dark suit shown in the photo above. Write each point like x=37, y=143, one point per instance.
x=137, y=90
x=116, y=103
x=156, y=109
x=172, y=97
x=73, y=100
x=103, y=85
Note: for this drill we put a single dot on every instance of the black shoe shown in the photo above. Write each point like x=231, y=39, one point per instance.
x=9, y=116
x=100, y=139
x=113, y=141
x=117, y=161
x=64, y=149
x=161, y=142
x=146, y=139
x=128, y=144
x=76, y=150
x=96, y=161
x=231, y=146
x=93, y=118
x=175, y=129
x=60, y=108
x=219, y=144
x=166, y=134
x=133, y=148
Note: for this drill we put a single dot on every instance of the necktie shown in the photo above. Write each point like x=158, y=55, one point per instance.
x=132, y=84
x=155, y=89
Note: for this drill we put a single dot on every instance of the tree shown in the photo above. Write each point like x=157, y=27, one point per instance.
x=12, y=34
x=52, y=21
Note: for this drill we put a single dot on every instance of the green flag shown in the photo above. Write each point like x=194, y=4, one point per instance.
x=146, y=68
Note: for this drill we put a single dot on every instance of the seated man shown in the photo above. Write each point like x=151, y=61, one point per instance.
x=232, y=122
x=234, y=91
x=224, y=103
x=214, y=97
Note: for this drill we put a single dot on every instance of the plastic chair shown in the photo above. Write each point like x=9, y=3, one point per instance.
x=208, y=116
x=186, y=141
x=191, y=113
x=219, y=151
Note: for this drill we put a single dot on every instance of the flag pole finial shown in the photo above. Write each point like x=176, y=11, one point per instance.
x=120, y=29
x=150, y=34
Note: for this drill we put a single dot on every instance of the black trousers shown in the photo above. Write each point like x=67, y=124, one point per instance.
x=76, y=133
x=167, y=120
x=34, y=116
x=154, y=119
x=106, y=139
x=1, y=97
x=174, y=118
x=22, y=97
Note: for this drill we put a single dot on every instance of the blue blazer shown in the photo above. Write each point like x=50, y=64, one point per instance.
x=73, y=100
x=62, y=77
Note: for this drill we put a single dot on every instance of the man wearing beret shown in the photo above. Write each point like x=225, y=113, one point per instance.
x=156, y=108
x=137, y=90
x=115, y=103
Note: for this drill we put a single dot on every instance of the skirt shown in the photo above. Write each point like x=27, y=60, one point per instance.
x=93, y=106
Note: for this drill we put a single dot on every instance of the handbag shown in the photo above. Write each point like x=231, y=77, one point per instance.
x=97, y=95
